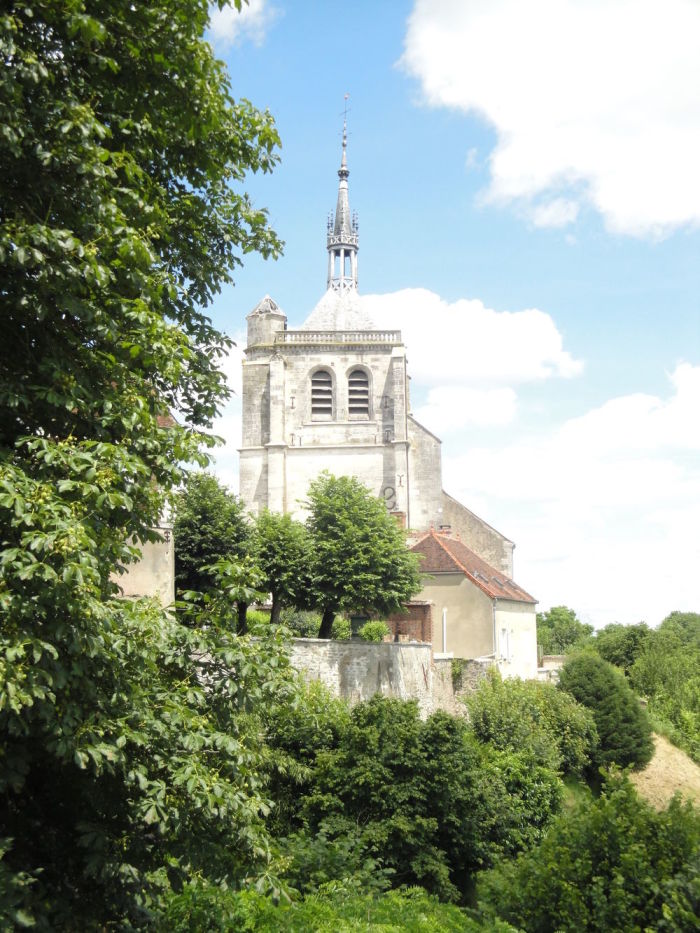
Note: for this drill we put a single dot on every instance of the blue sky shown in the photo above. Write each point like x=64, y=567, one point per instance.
x=526, y=178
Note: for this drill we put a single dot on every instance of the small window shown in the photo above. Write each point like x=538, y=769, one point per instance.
x=358, y=394
x=322, y=396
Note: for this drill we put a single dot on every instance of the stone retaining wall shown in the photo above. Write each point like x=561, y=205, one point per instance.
x=356, y=670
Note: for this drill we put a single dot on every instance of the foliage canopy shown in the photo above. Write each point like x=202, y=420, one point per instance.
x=121, y=154
x=624, y=730
x=526, y=715
x=360, y=558
x=613, y=864
x=210, y=525
x=423, y=801
x=559, y=630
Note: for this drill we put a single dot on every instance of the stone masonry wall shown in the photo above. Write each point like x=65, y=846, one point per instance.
x=356, y=670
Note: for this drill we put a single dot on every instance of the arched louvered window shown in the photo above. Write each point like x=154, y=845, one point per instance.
x=322, y=396
x=358, y=394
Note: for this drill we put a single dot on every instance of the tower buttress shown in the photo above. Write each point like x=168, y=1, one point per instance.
x=342, y=237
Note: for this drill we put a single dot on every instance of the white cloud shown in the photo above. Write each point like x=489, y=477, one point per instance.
x=560, y=212
x=605, y=509
x=450, y=409
x=594, y=103
x=471, y=161
x=464, y=343
x=229, y=27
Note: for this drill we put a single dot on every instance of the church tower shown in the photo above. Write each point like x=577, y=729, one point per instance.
x=334, y=395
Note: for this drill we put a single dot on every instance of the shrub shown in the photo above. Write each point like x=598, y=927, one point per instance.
x=422, y=799
x=256, y=617
x=303, y=623
x=374, y=631
x=337, y=907
x=526, y=715
x=624, y=730
x=667, y=672
x=611, y=864
x=341, y=629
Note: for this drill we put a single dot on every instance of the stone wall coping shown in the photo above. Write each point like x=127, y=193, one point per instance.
x=360, y=643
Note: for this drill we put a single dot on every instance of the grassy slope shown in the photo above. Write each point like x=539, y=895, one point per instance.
x=670, y=770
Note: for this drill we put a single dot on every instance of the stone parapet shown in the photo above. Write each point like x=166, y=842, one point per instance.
x=335, y=337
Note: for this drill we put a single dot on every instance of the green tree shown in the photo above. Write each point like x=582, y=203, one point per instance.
x=121, y=155
x=422, y=800
x=210, y=525
x=523, y=714
x=624, y=730
x=621, y=644
x=560, y=631
x=683, y=625
x=612, y=864
x=282, y=552
x=360, y=558
x=667, y=672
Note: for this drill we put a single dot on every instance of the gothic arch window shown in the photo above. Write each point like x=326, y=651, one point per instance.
x=358, y=394
x=321, y=396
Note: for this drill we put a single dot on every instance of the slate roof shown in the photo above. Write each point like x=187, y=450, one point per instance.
x=339, y=311
x=444, y=554
x=266, y=305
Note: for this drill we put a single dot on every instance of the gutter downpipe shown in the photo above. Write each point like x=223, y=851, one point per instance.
x=495, y=657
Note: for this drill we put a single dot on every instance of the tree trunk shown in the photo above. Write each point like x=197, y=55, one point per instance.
x=326, y=623
x=275, y=611
x=242, y=620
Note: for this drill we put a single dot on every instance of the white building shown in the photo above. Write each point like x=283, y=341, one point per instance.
x=334, y=395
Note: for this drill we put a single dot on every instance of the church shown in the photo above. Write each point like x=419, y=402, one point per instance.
x=334, y=395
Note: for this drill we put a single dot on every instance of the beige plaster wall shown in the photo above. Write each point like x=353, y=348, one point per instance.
x=469, y=615
x=154, y=574
x=516, y=633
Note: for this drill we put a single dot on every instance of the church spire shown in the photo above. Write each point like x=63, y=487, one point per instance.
x=342, y=238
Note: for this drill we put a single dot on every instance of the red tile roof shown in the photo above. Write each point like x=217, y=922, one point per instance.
x=443, y=554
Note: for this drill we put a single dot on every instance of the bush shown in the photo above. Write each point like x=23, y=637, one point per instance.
x=303, y=623
x=526, y=715
x=341, y=629
x=667, y=672
x=336, y=908
x=257, y=617
x=624, y=730
x=611, y=864
x=374, y=631
x=421, y=799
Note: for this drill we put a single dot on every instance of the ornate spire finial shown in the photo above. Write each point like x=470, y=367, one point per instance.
x=344, y=158
x=342, y=239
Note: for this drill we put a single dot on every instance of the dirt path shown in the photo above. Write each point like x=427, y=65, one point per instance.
x=670, y=770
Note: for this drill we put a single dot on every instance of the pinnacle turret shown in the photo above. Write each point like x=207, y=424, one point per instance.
x=342, y=239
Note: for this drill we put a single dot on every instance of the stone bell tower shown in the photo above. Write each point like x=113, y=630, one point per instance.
x=333, y=395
